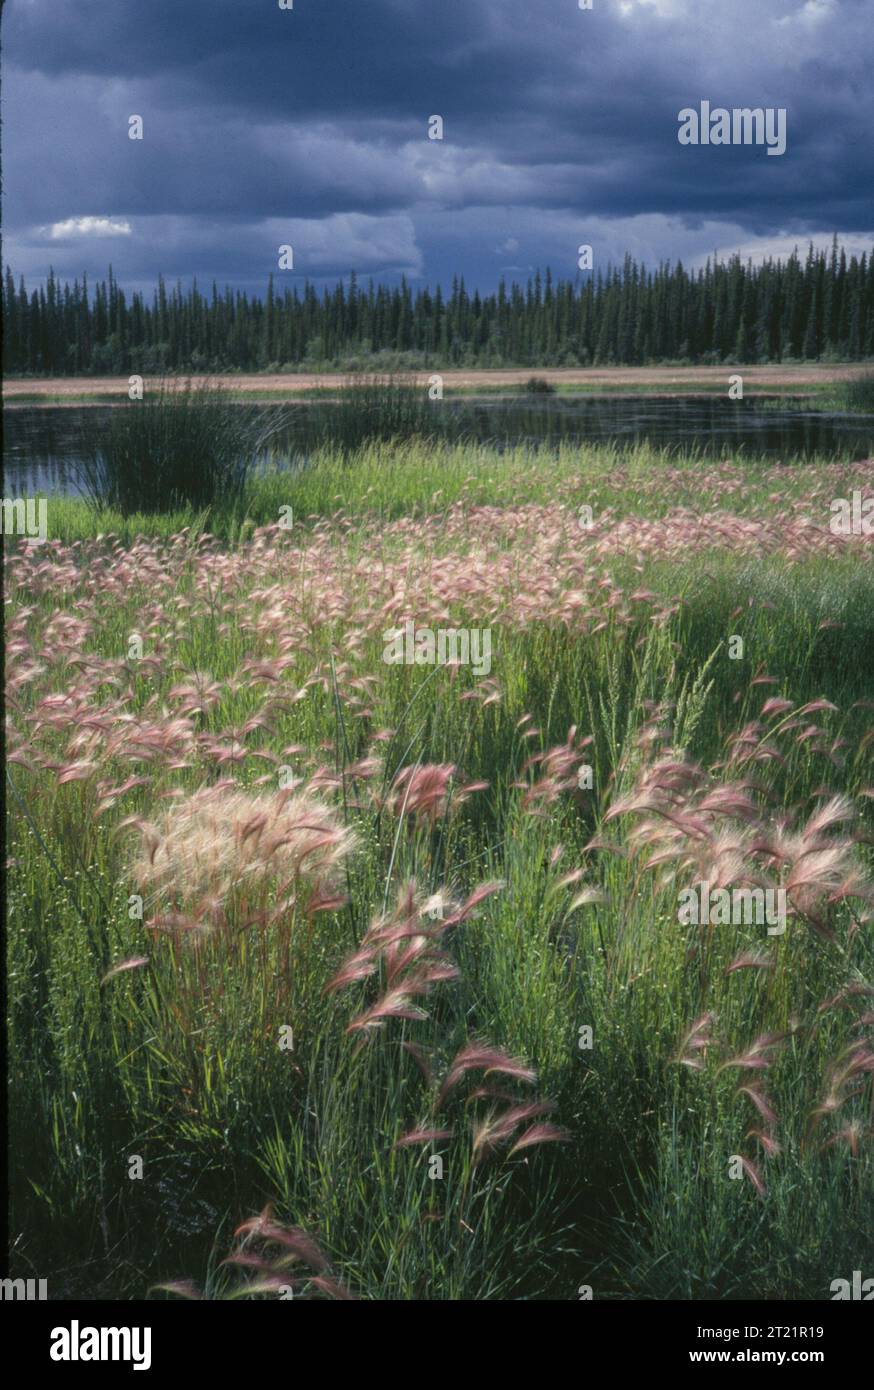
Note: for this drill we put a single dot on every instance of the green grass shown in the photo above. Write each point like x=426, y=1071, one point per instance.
x=416, y=477
x=179, y=446
x=178, y=1061
x=855, y=397
x=858, y=395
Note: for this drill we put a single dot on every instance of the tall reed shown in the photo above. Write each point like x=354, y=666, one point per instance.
x=182, y=444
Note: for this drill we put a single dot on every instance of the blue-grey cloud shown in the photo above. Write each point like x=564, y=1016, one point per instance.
x=265, y=126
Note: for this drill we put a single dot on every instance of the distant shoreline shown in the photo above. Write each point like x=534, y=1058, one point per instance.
x=667, y=381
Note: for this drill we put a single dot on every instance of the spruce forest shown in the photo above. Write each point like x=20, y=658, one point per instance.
x=819, y=307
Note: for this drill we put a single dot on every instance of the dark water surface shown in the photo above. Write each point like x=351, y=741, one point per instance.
x=41, y=447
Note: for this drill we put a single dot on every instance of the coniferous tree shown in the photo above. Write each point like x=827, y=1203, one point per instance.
x=722, y=312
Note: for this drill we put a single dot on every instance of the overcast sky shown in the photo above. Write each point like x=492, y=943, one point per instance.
x=309, y=127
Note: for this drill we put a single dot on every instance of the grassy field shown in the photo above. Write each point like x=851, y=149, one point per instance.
x=392, y=953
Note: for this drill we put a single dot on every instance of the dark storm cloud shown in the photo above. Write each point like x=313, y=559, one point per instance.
x=263, y=126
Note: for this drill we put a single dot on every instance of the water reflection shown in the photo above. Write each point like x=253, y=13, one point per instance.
x=42, y=445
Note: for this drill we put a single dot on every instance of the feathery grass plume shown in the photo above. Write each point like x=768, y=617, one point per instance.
x=422, y=1136
x=750, y=960
x=757, y=1056
x=696, y=1041
x=559, y=767
x=851, y=1134
x=499, y=1126
x=845, y=1078
x=183, y=1288
x=769, y=1144
x=395, y=1003
x=422, y=792
x=271, y=1250
x=403, y=947
x=753, y=1174
x=482, y=1057
x=496, y=1128
x=222, y=843
x=718, y=834
x=764, y=1107
x=539, y=1134
x=134, y=963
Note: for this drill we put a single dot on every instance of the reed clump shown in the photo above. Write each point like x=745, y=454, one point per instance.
x=858, y=395
x=182, y=445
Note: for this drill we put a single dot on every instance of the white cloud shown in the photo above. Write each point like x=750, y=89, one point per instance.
x=781, y=246
x=89, y=226
x=812, y=13
x=552, y=237
x=347, y=240
x=665, y=9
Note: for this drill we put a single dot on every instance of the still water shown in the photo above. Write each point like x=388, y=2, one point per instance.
x=41, y=447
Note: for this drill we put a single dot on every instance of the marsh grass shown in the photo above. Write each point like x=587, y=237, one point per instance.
x=500, y=917
x=414, y=477
x=372, y=408
x=181, y=445
x=855, y=396
x=858, y=394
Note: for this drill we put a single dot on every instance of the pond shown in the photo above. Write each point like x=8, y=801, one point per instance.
x=41, y=447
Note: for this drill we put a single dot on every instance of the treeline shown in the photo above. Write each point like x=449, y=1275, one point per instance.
x=819, y=307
